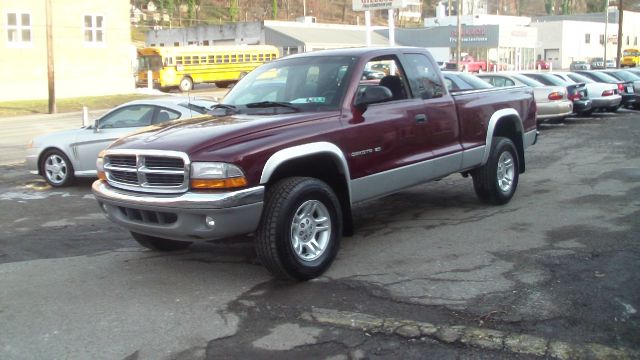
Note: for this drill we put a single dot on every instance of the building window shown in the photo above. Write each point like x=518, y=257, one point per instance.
x=587, y=38
x=161, y=44
x=176, y=44
x=18, y=28
x=205, y=43
x=635, y=40
x=94, y=29
x=627, y=39
x=601, y=39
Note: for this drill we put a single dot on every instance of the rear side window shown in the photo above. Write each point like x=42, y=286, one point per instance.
x=426, y=81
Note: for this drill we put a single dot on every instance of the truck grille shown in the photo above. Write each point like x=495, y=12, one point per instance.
x=148, y=170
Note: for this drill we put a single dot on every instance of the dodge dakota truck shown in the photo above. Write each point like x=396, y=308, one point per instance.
x=300, y=140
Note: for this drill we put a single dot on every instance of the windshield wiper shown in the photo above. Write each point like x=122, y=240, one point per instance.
x=268, y=104
x=227, y=108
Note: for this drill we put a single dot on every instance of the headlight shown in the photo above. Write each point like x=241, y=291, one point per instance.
x=216, y=175
x=100, y=166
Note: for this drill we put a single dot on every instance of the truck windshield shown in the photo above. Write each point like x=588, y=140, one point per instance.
x=313, y=83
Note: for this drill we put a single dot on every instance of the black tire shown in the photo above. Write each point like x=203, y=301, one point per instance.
x=160, y=244
x=186, y=84
x=587, y=113
x=497, y=181
x=275, y=237
x=223, y=84
x=56, y=168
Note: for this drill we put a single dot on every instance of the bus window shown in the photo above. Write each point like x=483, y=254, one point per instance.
x=218, y=59
x=196, y=60
x=234, y=58
x=260, y=57
x=212, y=59
x=178, y=60
x=254, y=57
x=203, y=59
x=187, y=60
x=225, y=58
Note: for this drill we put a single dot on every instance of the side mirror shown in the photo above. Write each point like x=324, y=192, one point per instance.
x=96, y=122
x=372, y=95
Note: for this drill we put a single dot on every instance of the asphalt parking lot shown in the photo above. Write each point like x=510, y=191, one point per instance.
x=430, y=272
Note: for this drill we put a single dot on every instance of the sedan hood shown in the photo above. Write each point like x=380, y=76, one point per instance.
x=193, y=135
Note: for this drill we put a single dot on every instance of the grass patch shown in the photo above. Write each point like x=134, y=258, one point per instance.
x=29, y=107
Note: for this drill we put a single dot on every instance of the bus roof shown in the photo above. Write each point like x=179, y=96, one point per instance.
x=180, y=50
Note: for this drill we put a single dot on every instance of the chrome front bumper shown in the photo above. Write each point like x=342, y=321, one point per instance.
x=188, y=216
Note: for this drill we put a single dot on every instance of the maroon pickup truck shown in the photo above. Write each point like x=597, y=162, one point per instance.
x=299, y=141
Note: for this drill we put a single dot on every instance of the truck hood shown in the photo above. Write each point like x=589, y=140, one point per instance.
x=193, y=135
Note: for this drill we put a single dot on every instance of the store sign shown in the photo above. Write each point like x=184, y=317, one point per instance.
x=469, y=35
x=363, y=5
x=612, y=39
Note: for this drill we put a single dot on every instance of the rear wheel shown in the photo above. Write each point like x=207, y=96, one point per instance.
x=300, y=230
x=496, y=181
x=56, y=168
x=186, y=84
x=159, y=244
x=223, y=84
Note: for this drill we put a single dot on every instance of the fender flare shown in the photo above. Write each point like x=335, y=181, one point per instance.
x=493, y=122
x=299, y=151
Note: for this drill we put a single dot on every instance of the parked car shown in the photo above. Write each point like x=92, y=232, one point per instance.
x=610, y=64
x=467, y=63
x=372, y=75
x=579, y=65
x=542, y=64
x=625, y=88
x=626, y=75
x=62, y=156
x=460, y=81
x=577, y=93
x=597, y=63
x=604, y=97
x=552, y=101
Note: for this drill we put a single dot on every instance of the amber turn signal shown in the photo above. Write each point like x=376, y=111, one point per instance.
x=102, y=175
x=218, y=183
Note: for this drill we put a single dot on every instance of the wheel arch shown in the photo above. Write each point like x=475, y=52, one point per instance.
x=506, y=123
x=321, y=160
x=46, y=150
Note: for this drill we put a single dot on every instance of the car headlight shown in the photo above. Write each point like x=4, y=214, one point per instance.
x=100, y=166
x=216, y=175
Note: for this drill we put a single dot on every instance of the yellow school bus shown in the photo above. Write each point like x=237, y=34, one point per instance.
x=182, y=67
x=630, y=58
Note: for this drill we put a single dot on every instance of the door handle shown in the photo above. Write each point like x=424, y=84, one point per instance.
x=421, y=118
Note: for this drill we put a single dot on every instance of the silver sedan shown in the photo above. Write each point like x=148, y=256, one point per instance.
x=62, y=156
x=551, y=101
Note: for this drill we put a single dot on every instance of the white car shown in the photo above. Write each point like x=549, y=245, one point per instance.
x=603, y=96
x=62, y=156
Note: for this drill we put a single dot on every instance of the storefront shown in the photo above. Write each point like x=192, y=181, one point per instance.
x=510, y=46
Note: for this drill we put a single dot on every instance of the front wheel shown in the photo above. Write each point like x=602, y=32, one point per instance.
x=300, y=230
x=159, y=244
x=57, y=169
x=186, y=84
x=496, y=181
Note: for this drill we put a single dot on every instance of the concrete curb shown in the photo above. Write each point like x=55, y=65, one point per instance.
x=468, y=335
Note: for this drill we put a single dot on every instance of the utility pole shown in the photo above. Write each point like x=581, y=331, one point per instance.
x=459, y=37
x=606, y=35
x=619, y=54
x=50, y=72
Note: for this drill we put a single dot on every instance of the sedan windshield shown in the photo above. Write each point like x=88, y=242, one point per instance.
x=293, y=84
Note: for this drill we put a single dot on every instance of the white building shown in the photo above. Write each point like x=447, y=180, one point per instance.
x=567, y=38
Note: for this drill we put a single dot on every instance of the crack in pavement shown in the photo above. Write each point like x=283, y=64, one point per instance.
x=468, y=335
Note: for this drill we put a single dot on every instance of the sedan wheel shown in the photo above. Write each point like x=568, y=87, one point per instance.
x=57, y=169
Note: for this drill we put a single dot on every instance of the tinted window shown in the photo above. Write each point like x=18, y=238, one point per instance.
x=426, y=83
x=579, y=78
x=528, y=81
x=548, y=79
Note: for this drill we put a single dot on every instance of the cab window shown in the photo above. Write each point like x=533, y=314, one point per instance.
x=426, y=82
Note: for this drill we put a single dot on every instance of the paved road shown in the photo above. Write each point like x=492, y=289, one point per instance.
x=554, y=272
x=16, y=132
